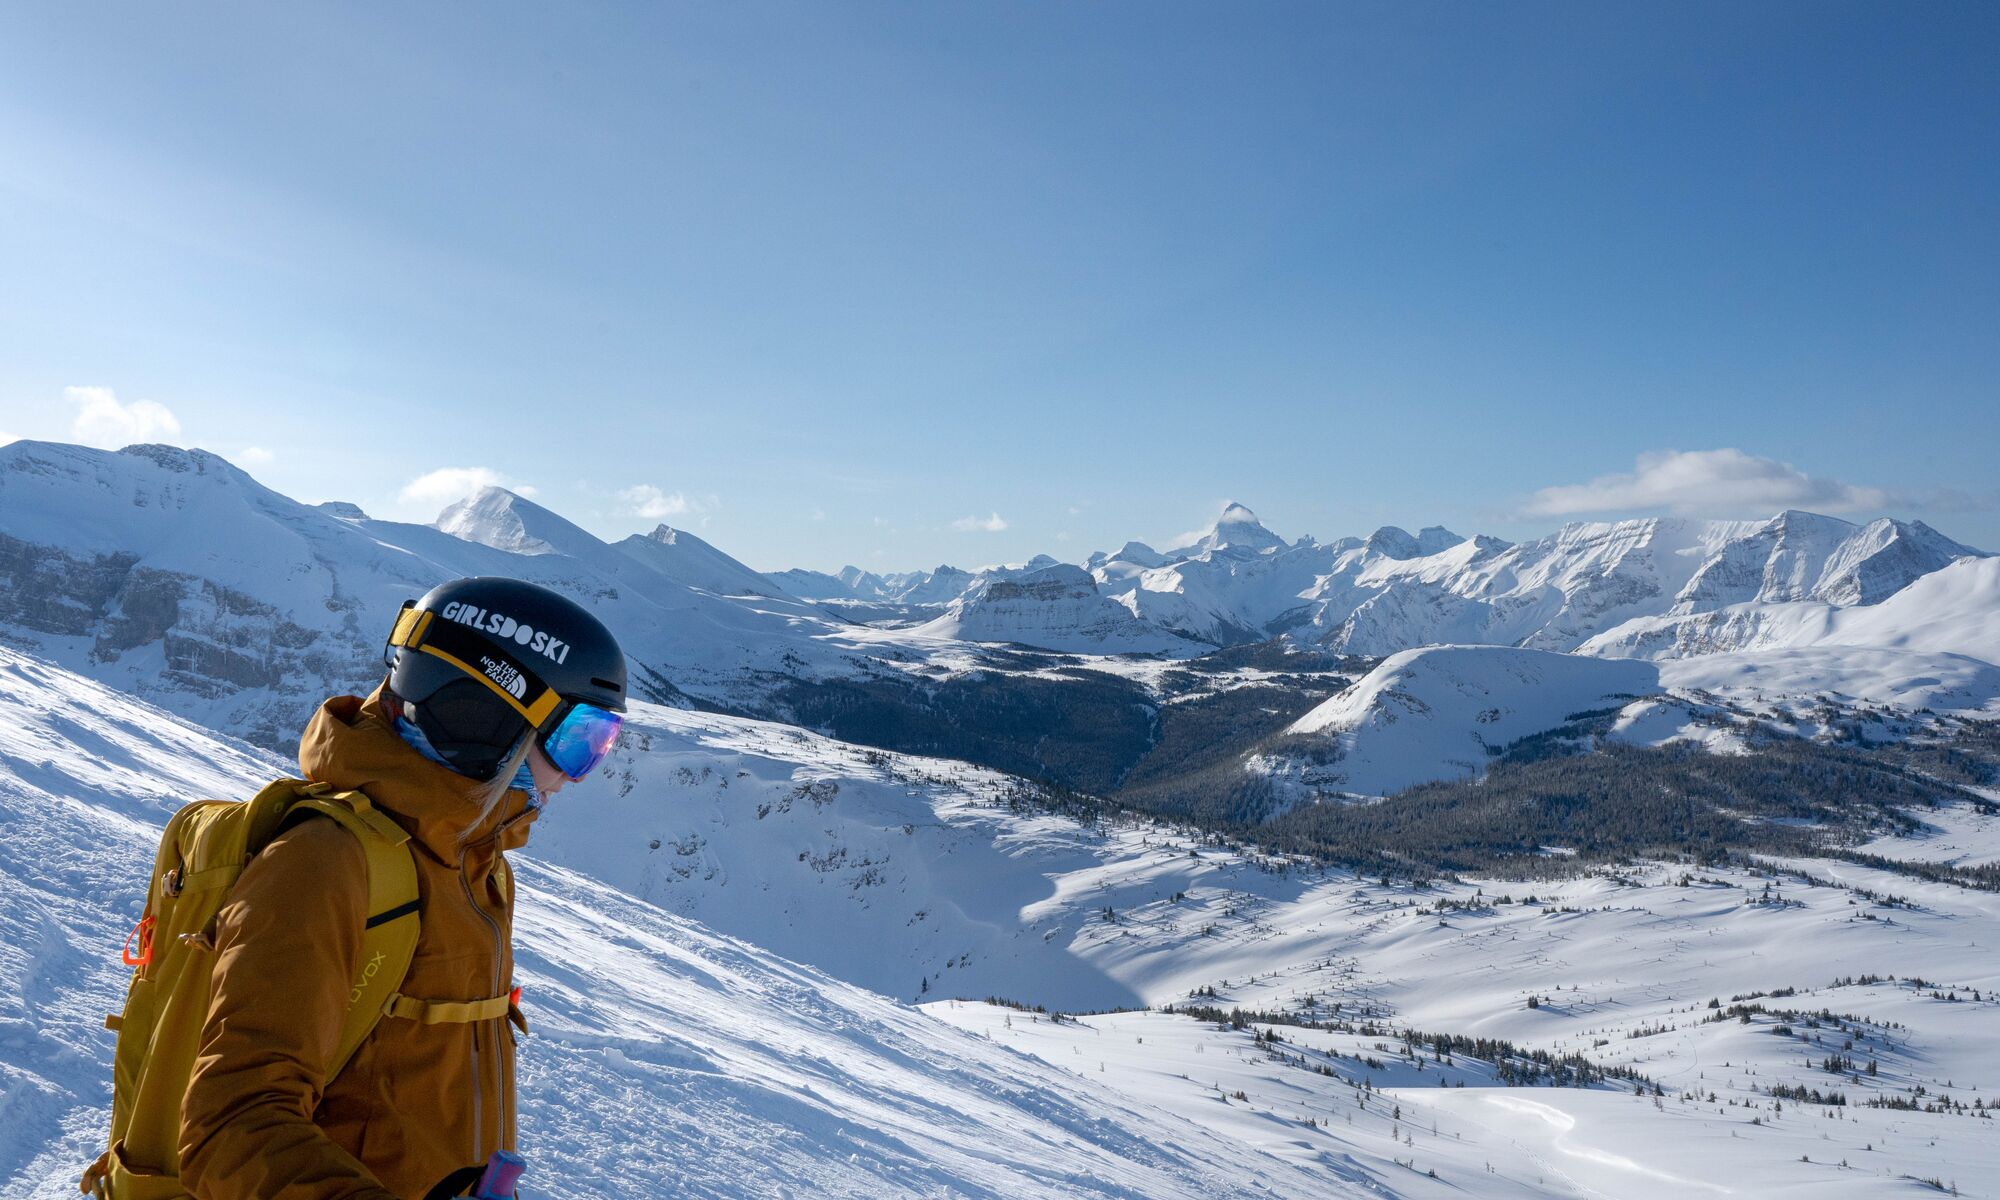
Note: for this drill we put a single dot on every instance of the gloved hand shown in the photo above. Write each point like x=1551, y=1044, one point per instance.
x=458, y=1183
x=500, y=1171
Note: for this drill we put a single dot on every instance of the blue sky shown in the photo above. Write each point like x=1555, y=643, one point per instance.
x=896, y=284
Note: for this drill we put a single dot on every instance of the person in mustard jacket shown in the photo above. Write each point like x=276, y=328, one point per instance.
x=499, y=693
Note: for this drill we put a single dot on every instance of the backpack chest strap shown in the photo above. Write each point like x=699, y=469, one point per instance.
x=447, y=1012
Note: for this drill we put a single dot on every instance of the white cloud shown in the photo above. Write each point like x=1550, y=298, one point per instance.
x=992, y=524
x=6, y=438
x=1705, y=483
x=103, y=422
x=253, y=456
x=449, y=484
x=819, y=514
x=653, y=504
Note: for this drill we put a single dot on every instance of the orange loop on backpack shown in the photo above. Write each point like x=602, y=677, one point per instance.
x=143, y=934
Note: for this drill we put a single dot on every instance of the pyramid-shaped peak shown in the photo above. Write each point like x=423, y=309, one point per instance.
x=1236, y=532
x=504, y=520
x=667, y=535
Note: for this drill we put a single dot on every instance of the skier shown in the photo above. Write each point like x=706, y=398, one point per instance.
x=499, y=693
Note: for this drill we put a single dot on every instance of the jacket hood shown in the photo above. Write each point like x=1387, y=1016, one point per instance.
x=352, y=743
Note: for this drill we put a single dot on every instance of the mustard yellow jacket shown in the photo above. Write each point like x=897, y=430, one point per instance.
x=417, y=1101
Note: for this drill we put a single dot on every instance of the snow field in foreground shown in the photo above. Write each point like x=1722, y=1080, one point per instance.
x=666, y=1060
x=682, y=1060
x=1488, y=1140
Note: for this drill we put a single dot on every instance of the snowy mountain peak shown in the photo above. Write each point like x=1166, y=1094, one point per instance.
x=174, y=458
x=862, y=583
x=1798, y=518
x=1391, y=541
x=1056, y=607
x=1799, y=556
x=341, y=510
x=1434, y=538
x=142, y=464
x=682, y=556
x=504, y=520
x=1236, y=533
x=1138, y=554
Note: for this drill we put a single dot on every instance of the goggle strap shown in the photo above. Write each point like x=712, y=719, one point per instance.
x=411, y=625
x=453, y=643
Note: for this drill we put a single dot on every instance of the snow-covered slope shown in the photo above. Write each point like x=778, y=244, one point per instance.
x=1953, y=610
x=1804, y=556
x=667, y=1052
x=681, y=555
x=664, y=1058
x=1443, y=712
x=173, y=575
x=1909, y=681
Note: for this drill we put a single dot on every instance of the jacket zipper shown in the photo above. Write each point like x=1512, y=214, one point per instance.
x=478, y=1080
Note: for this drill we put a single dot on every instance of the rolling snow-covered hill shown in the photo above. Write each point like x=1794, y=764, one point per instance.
x=1443, y=712
x=1448, y=712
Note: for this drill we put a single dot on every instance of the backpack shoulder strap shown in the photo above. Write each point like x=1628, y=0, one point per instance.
x=389, y=936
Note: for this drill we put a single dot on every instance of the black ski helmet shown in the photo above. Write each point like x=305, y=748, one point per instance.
x=482, y=662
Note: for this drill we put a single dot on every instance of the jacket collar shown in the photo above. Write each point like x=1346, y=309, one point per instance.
x=352, y=743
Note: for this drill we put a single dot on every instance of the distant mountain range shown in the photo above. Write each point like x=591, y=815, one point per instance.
x=1655, y=586
x=173, y=575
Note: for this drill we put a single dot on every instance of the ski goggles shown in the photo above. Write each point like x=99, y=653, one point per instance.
x=581, y=739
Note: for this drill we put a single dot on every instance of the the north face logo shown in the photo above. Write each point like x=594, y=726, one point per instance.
x=507, y=675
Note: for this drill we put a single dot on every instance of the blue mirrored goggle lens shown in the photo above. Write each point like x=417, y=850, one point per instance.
x=582, y=739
